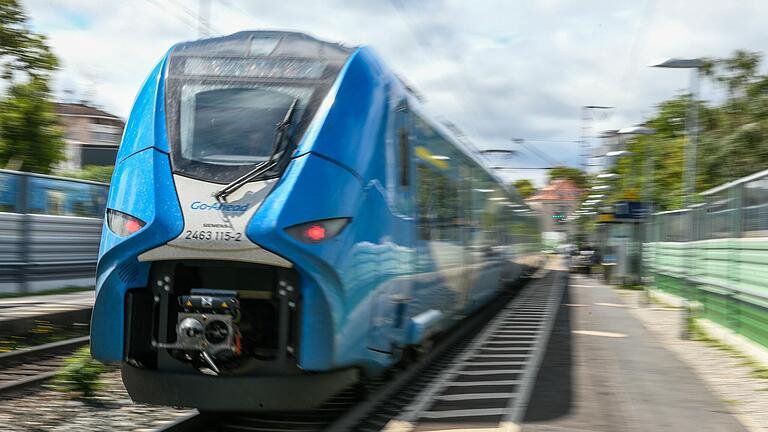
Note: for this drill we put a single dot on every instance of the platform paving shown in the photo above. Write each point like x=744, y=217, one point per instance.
x=604, y=371
x=41, y=305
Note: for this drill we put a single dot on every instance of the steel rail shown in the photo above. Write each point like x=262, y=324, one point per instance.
x=27, y=367
x=406, y=386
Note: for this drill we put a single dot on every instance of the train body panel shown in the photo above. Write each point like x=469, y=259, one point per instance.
x=355, y=124
x=143, y=185
x=146, y=124
x=375, y=231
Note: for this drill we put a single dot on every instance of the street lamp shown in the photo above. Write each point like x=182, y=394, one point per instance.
x=693, y=128
x=501, y=168
x=618, y=153
x=607, y=175
x=499, y=151
x=636, y=130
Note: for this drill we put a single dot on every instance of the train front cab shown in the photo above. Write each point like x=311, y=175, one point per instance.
x=155, y=282
x=429, y=235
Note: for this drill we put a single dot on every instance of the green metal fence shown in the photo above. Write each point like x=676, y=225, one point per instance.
x=716, y=253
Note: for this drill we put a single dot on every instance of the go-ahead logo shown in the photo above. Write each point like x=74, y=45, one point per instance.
x=197, y=205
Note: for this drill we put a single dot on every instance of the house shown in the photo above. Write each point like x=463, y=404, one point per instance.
x=555, y=202
x=91, y=135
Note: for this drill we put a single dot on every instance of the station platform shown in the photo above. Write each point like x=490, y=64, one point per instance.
x=19, y=308
x=604, y=371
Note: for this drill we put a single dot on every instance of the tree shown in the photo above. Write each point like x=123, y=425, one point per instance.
x=568, y=173
x=735, y=72
x=524, y=188
x=733, y=136
x=21, y=50
x=30, y=139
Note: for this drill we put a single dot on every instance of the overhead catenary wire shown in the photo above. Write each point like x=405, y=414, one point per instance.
x=426, y=46
x=541, y=155
x=190, y=21
x=561, y=141
x=636, y=50
x=237, y=8
x=423, y=42
x=204, y=25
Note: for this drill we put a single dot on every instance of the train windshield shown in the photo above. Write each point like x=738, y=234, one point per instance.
x=224, y=98
x=234, y=125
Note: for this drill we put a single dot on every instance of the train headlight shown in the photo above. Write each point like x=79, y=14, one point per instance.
x=216, y=332
x=190, y=331
x=317, y=231
x=123, y=224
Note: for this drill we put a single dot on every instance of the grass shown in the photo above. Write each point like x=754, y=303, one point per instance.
x=656, y=300
x=81, y=375
x=700, y=335
x=43, y=332
x=757, y=370
x=55, y=291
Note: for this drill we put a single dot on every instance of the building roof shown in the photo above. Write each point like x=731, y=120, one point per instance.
x=557, y=190
x=80, y=109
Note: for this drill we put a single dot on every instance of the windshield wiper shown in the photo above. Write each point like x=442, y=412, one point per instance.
x=280, y=138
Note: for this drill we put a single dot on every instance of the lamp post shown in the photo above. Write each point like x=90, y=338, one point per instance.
x=689, y=169
x=689, y=172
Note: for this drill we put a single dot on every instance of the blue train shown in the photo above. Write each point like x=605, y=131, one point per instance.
x=285, y=219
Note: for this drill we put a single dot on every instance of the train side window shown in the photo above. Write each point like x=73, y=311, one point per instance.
x=424, y=201
x=405, y=156
x=437, y=198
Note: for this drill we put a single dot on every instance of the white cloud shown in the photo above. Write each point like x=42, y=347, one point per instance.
x=498, y=69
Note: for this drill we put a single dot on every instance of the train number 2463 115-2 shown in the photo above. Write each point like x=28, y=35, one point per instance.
x=213, y=235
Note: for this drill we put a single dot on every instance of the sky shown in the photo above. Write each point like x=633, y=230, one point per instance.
x=499, y=69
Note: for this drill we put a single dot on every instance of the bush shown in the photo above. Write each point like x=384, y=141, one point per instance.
x=80, y=374
x=92, y=172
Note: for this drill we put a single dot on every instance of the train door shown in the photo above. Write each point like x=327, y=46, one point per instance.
x=391, y=303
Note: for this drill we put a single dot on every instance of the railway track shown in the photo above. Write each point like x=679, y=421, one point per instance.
x=32, y=366
x=479, y=375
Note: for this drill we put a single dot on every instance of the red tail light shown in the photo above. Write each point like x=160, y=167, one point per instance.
x=123, y=224
x=317, y=231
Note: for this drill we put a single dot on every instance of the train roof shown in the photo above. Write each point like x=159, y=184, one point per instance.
x=265, y=43
x=286, y=44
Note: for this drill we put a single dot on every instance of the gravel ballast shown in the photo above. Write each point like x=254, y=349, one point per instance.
x=44, y=409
